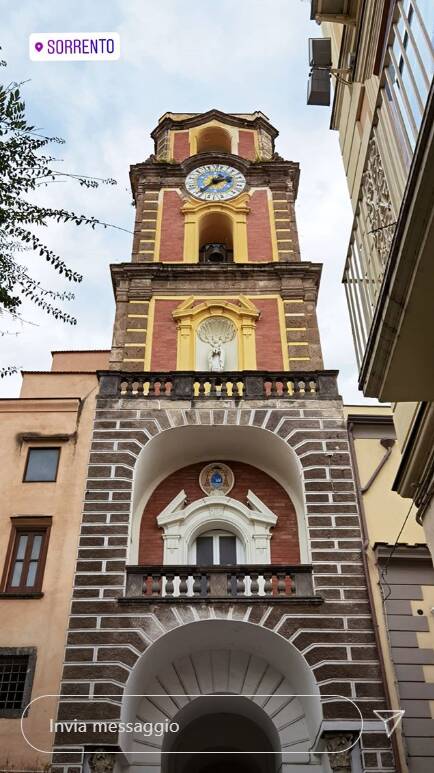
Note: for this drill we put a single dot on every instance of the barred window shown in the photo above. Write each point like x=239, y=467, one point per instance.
x=16, y=677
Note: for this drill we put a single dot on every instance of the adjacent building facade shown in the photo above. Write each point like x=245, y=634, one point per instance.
x=383, y=110
x=46, y=435
x=401, y=583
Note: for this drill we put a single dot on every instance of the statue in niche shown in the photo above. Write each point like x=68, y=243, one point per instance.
x=216, y=359
x=216, y=332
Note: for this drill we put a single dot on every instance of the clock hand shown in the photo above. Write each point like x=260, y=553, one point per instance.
x=205, y=187
x=213, y=181
x=216, y=180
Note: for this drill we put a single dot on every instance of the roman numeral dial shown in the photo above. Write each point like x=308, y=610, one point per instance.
x=215, y=182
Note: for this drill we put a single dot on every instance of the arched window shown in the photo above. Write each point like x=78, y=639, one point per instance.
x=216, y=238
x=216, y=517
x=217, y=548
x=214, y=138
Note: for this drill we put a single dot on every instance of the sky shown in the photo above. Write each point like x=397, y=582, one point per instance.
x=183, y=56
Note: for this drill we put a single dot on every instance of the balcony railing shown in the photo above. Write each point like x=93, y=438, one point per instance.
x=170, y=583
x=243, y=385
x=404, y=90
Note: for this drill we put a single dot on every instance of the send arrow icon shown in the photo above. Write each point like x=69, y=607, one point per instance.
x=390, y=718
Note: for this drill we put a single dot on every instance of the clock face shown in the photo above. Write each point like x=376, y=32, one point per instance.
x=215, y=182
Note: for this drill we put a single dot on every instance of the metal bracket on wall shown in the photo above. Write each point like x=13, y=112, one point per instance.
x=388, y=444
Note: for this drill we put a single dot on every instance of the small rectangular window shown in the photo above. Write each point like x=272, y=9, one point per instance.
x=41, y=465
x=16, y=677
x=25, y=561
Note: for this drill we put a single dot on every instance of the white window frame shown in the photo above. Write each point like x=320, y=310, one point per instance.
x=251, y=523
x=215, y=534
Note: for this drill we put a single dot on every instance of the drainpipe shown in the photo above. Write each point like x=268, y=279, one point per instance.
x=364, y=530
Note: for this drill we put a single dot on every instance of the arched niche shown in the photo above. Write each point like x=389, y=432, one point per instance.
x=216, y=228
x=212, y=138
x=227, y=219
x=192, y=312
x=175, y=448
x=216, y=345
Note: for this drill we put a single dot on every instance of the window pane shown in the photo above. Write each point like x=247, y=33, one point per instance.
x=36, y=547
x=24, y=571
x=228, y=550
x=16, y=575
x=204, y=551
x=13, y=672
x=22, y=544
x=31, y=574
x=42, y=464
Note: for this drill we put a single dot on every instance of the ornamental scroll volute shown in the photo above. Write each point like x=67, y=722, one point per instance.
x=376, y=196
x=101, y=761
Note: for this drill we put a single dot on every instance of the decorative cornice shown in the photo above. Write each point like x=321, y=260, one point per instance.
x=401, y=552
x=189, y=308
x=157, y=271
x=40, y=405
x=257, y=121
x=366, y=419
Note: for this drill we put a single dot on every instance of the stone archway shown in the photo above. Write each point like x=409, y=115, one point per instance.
x=222, y=734
x=221, y=669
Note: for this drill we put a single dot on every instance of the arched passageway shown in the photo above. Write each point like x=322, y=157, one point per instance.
x=244, y=699
x=227, y=733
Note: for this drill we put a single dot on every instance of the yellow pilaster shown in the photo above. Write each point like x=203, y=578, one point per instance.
x=191, y=237
x=158, y=225
x=248, y=343
x=149, y=334
x=185, y=350
x=282, y=326
x=272, y=226
x=241, y=250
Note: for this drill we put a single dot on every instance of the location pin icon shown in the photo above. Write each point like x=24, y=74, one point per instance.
x=39, y=47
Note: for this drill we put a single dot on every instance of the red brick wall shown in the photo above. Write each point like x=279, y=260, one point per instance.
x=164, y=336
x=181, y=146
x=258, y=228
x=284, y=541
x=268, y=339
x=172, y=228
x=246, y=145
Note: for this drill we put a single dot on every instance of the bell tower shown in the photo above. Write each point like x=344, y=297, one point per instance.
x=216, y=281
x=219, y=581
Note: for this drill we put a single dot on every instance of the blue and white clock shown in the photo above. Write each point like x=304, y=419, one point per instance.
x=215, y=182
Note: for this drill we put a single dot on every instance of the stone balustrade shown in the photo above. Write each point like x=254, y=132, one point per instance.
x=242, y=385
x=159, y=583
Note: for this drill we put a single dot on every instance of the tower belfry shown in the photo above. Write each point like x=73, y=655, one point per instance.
x=220, y=583
x=216, y=236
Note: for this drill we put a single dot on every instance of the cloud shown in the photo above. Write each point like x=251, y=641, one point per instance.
x=187, y=55
x=207, y=40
